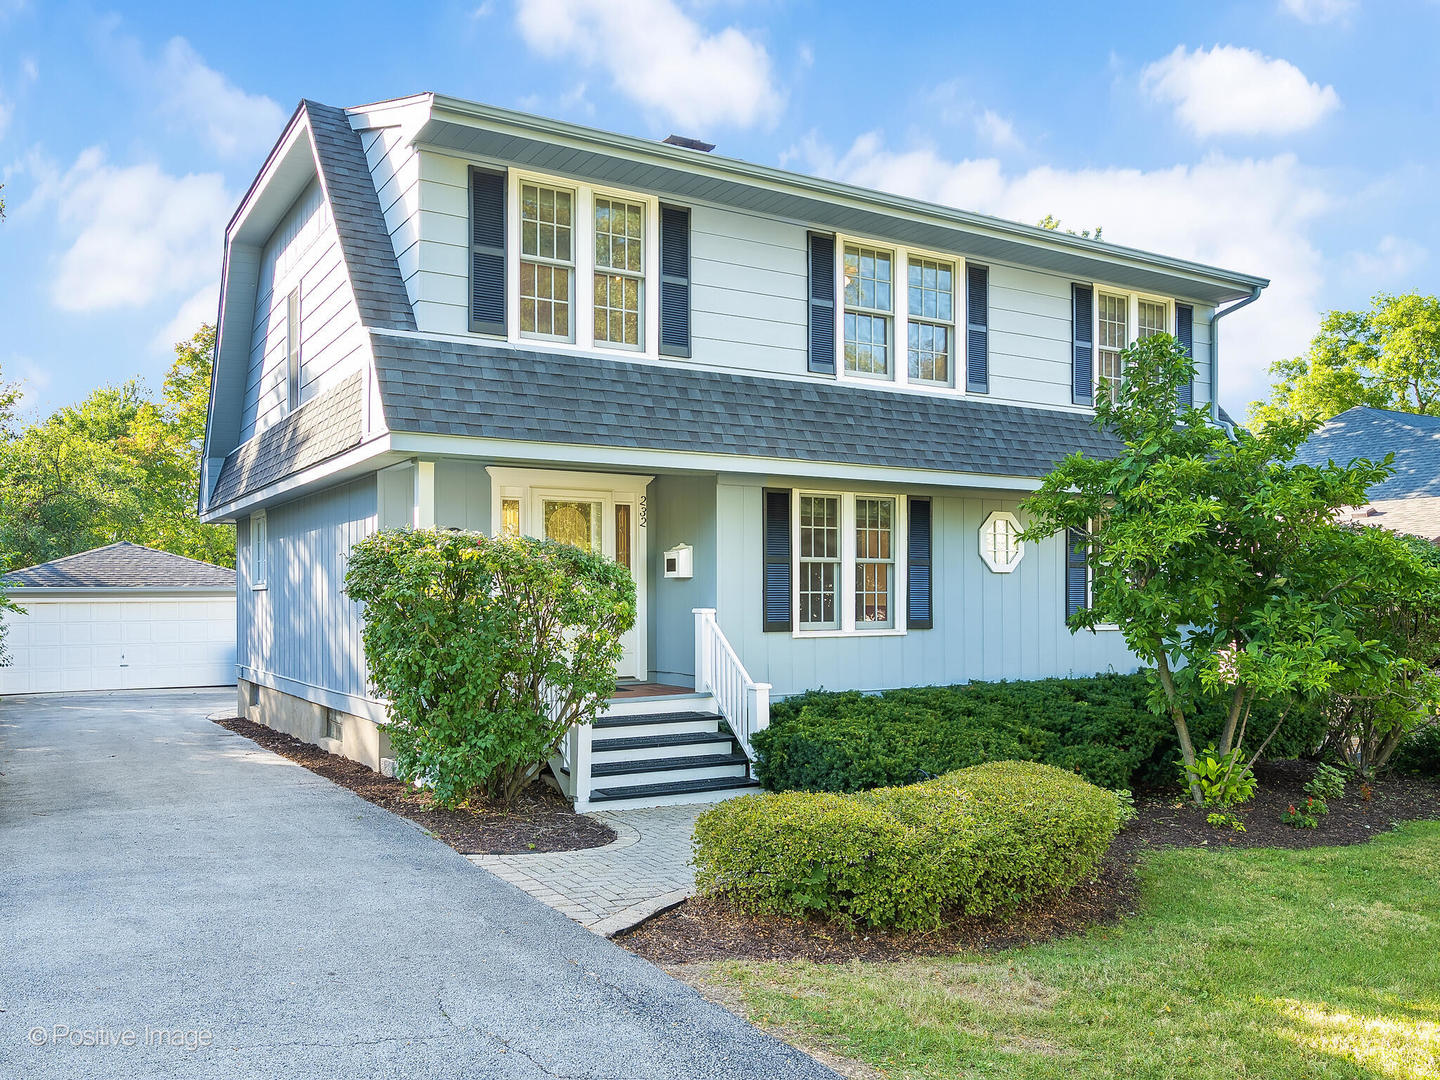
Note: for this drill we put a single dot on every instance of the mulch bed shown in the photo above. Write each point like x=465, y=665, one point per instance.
x=541, y=819
x=707, y=929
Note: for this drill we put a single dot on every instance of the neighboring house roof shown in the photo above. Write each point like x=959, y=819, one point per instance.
x=1363, y=432
x=364, y=240
x=328, y=424
x=1419, y=516
x=454, y=388
x=124, y=566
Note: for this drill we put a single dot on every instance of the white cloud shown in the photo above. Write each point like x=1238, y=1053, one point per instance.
x=1228, y=90
x=136, y=234
x=200, y=98
x=6, y=112
x=997, y=130
x=1318, y=11
x=1393, y=258
x=1241, y=214
x=659, y=57
x=203, y=307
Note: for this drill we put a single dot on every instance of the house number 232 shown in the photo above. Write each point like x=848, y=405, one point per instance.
x=644, y=510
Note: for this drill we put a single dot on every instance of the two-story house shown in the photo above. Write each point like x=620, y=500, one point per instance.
x=802, y=413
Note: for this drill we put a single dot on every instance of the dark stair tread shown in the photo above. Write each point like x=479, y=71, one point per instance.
x=658, y=719
x=644, y=765
x=675, y=787
x=656, y=742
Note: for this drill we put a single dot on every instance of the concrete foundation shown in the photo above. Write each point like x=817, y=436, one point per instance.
x=360, y=739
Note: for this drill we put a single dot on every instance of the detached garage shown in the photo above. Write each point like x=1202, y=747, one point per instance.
x=121, y=617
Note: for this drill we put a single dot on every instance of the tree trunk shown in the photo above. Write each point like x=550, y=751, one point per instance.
x=1182, y=729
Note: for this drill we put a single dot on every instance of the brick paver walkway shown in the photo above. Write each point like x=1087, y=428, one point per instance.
x=612, y=888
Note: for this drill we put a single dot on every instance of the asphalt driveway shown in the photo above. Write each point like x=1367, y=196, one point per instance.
x=175, y=901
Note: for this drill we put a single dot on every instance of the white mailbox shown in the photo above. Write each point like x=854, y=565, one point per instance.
x=680, y=562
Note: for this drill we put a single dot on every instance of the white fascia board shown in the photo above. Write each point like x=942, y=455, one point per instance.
x=369, y=456
x=684, y=461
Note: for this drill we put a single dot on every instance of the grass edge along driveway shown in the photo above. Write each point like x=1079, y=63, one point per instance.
x=1319, y=963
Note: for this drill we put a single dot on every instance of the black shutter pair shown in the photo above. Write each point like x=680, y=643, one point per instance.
x=487, y=264
x=821, y=338
x=777, y=572
x=1082, y=346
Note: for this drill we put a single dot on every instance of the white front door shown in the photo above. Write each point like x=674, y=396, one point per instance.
x=594, y=512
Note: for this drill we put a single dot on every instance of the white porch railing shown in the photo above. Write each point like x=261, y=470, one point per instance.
x=743, y=702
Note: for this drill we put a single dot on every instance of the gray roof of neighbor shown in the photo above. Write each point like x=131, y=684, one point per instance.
x=124, y=566
x=497, y=392
x=324, y=426
x=1363, y=432
x=365, y=241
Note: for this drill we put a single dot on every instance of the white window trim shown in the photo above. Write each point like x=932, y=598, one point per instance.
x=900, y=317
x=845, y=586
x=259, y=552
x=1006, y=568
x=573, y=265
x=1132, y=322
x=583, y=316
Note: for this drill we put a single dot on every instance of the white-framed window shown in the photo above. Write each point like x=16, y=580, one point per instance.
x=869, y=298
x=1153, y=317
x=1001, y=548
x=849, y=562
x=619, y=272
x=930, y=329
x=547, y=262
x=292, y=350
x=1113, y=335
x=259, y=550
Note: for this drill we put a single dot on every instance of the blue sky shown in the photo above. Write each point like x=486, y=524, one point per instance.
x=1290, y=138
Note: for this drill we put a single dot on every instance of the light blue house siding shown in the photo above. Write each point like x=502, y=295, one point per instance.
x=681, y=510
x=987, y=625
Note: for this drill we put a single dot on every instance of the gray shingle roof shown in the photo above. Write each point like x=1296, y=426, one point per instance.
x=124, y=566
x=364, y=240
x=1363, y=432
x=321, y=428
x=492, y=391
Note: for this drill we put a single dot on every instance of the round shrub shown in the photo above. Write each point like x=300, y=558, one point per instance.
x=980, y=840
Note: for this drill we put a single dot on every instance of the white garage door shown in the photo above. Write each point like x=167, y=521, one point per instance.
x=109, y=644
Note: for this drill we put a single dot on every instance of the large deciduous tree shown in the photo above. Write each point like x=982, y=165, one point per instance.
x=1387, y=357
x=1218, y=559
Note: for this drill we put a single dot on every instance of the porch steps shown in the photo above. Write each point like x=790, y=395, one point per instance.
x=665, y=751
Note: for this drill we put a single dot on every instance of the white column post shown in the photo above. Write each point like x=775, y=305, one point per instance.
x=424, y=494
x=703, y=674
x=759, y=707
x=580, y=765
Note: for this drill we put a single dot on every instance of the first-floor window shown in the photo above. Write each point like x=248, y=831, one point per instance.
x=259, y=550
x=819, y=562
x=874, y=562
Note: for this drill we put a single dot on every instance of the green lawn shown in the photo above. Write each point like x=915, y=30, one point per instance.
x=1261, y=963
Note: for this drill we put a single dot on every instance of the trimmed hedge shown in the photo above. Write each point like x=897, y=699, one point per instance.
x=1100, y=727
x=974, y=842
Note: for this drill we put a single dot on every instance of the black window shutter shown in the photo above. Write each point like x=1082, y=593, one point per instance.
x=1185, y=333
x=1082, y=345
x=919, y=588
x=674, y=281
x=487, y=251
x=776, y=574
x=977, y=329
x=822, y=303
x=1077, y=573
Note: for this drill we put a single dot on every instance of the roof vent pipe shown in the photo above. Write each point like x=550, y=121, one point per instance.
x=1215, y=358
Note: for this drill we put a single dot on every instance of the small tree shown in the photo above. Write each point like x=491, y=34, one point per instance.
x=6, y=604
x=487, y=651
x=1218, y=559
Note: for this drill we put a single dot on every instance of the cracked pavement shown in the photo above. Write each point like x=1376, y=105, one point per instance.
x=163, y=878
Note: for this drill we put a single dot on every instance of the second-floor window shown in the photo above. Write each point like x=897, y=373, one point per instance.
x=1113, y=326
x=547, y=262
x=869, y=304
x=1152, y=318
x=619, y=272
x=292, y=351
x=931, y=328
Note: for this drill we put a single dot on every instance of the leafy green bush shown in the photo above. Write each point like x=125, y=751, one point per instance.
x=1327, y=783
x=1420, y=753
x=1224, y=779
x=1100, y=727
x=487, y=651
x=972, y=842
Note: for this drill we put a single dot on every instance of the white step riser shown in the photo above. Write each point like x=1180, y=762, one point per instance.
x=721, y=745
x=703, y=725
x=698, y=799
x=668, y=776
x=651, y=706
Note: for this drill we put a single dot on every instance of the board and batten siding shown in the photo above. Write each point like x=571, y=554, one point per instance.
x=303, y=252
x=300, y=634
x=988, y=626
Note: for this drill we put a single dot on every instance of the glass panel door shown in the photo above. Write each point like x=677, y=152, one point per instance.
x=572, y=522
